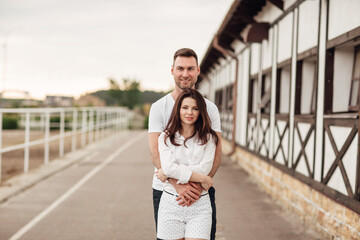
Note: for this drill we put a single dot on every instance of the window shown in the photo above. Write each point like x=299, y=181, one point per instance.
x=306, y=76
x=265, y=93
x=354, y=92
x=219, y=99
x=283, y=90
x=252, y=95
x=342, y=79
x=229, y=97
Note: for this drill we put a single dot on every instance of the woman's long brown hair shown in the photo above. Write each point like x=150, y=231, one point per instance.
x=202, y=124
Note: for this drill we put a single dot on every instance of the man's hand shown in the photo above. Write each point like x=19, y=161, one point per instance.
x=207, y=183
x=160, y=174
x=188, y=193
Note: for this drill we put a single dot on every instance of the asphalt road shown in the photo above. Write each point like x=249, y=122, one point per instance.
x=108, y=195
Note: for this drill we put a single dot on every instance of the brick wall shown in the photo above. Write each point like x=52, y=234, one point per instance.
x=316, y=210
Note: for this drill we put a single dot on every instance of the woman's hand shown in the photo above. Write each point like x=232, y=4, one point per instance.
x=206, y=182
x=160, y=174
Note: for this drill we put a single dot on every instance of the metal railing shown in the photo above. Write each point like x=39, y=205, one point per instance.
x=91, y=123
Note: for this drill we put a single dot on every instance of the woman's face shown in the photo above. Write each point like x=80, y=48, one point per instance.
x=189, y=111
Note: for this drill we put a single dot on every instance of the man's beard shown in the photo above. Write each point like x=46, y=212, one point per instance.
x=185, y=87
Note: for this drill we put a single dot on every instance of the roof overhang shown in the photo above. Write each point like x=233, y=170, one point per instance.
x=240, y=16
x=257, y=33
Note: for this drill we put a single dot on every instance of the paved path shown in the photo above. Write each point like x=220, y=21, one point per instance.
x=107, y=195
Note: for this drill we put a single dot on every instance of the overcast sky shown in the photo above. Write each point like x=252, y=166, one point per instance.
x=62, y=47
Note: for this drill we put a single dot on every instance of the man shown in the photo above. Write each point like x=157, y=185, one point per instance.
x=185, y=70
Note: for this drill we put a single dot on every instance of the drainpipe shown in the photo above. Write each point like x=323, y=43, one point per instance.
x=225, y=52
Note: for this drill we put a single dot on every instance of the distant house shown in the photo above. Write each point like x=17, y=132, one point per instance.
x=90, y=100
x=29, y=103
x=59, y=101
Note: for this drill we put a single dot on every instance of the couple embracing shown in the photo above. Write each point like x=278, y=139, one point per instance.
x=185, y=146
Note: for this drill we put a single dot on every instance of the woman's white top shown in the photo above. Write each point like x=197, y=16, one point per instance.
x=179, y=161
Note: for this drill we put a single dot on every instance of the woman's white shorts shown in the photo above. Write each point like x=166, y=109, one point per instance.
x=176, y=221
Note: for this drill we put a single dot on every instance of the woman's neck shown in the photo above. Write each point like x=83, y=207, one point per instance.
x=187, y=130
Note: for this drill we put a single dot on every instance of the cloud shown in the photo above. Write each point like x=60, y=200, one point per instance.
x=81, y=43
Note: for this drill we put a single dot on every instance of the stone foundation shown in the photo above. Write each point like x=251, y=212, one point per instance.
x=316, y=210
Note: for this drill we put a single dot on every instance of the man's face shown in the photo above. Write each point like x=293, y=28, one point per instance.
x=185, y=72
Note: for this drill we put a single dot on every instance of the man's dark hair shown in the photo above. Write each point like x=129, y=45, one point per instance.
x=185, y=52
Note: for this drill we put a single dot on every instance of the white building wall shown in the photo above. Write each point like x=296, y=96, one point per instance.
x=255, y=55
x=211, y=95
x=336, y=181
x=204, y=88
x=222, y=76
x=233, y=70
x=280, y=157
x=267, y=51
x=216, y=80
x=309, y=149
x=238, y=46
x=243, y=95
x=269, y=13
x=229, y=72
x=343, y=16
x=285, y=33
x=288, y=3
x=308, y=25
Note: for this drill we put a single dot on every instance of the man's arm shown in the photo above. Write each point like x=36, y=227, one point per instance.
x=186, y=191
x=154, y=150
x=217, y=159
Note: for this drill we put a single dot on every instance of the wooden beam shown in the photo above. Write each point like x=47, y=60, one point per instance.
x=234, y=36
x=278, y=3
x=243, y=17
x=258, y=32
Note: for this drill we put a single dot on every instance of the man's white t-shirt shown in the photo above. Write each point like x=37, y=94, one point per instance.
x=159, y=116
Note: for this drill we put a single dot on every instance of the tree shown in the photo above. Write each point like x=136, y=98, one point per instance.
x=130, y=96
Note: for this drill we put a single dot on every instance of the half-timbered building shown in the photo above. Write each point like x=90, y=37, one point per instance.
x=285, y=75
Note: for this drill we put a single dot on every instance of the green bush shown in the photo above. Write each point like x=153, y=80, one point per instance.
x=57, y=120
x=146, y=122
x=10, y=122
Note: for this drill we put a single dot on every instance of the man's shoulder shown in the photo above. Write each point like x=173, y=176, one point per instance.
x=162, y=100
x=210, y=104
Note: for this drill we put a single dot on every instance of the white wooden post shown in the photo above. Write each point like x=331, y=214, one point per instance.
x=103, y=122
x=62, y=130
x=118, y=121
x=108, y=122
x=83, y=132
x=293, y=87
x=97, y=133
x=91, y=125
x=27, y=140
x=273, y=90
x=47, y=135
x=74, y=130
x=319, y=141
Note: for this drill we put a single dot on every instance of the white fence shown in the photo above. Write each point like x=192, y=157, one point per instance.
x=92, y=124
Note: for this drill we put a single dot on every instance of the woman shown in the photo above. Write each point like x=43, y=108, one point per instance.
x=187, y=151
